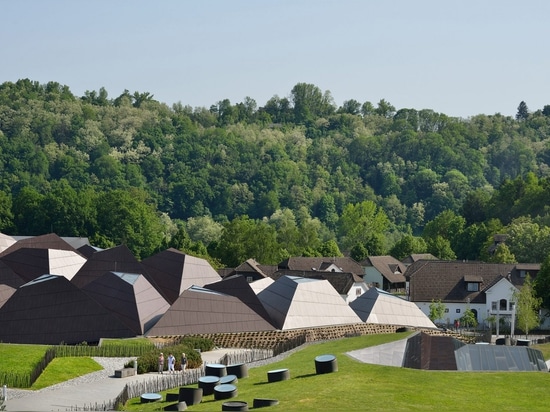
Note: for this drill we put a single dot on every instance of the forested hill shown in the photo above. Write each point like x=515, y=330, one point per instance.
x=296, y=176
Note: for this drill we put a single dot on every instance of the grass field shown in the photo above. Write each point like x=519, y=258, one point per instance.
x=20, y=358
x=62, y=369
x=358, y=386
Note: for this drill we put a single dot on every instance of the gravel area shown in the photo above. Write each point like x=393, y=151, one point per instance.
x=109, y=367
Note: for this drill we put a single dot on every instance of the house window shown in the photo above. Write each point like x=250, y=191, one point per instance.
x=512, y=304
x=357, y=291
x=446, y=310
x=503, y=304
x=522, y=273
x=473, y=287
x=458, y=311
x=249, y=279
x=493, y=306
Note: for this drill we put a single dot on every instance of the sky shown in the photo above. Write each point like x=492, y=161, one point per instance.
x=460, y=58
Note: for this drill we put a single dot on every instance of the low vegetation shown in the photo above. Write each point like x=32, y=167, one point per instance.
x=358, y=386
x=18, y=363
x=62, y=369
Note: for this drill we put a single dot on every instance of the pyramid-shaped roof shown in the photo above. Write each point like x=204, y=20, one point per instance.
x=6, y=241
x=377, y=306
x=237, y=286
x=258, y=285
x=9, y=282
x=29, y=263
x=199, y=310
x=173, y=271
x=49, y=241
x=130, y=297
x=116, y=259
x=295, y=302
x=51, y=310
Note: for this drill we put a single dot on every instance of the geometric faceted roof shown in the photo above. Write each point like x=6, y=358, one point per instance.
x=130, y=297
x=29, y=263
x=295, y=302
x=6, y=241
x=9, y=282
x=173, y=271
x=50, y=310
x=258, y=285
x=377, y=306
x=49, y=241
x=237, y=286
x=115, y=259
x=199, y=310
x=433, y=352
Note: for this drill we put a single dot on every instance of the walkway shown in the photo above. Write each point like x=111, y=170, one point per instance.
x=81, y=393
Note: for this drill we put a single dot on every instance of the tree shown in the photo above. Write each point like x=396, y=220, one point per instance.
x=502, y=255
x=441, y=248
x=408, y=245
x=523, y=111
x=527, y=306
x=437, y=310
x=362, y=223
x=542, y=283
x=469, y=318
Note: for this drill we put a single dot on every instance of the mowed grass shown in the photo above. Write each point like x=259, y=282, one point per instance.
x=359, y=386
x=20, y=358
x=63, y=369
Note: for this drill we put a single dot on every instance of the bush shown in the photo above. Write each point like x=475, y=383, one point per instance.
x=149, y=362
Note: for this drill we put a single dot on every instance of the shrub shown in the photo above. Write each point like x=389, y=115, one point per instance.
x=148, y=362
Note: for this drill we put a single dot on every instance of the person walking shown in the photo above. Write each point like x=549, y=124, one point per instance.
x=161, y=363
x=171, y=363
x=183, y=362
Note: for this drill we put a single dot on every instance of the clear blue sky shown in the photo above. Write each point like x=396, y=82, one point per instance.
x=460, y=58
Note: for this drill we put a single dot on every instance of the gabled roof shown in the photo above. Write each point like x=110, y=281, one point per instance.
x=199, y=310
x=296, y=302
x=116, y=259
x=51, y=310
x=446, y=280
x=346, y=264
x=377, y=306
x=341, y=281
x=173, y=271
x=130, y=297
x=388, y=266
x=237, y=286
x=418, y=256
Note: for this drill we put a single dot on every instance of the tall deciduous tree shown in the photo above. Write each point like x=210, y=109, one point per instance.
x=362, y=223
x=437, y=310
x=527, y=306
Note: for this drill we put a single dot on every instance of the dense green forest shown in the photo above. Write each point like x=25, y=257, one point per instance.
x=297, y=176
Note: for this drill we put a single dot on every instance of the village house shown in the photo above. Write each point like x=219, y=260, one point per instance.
x=486, y=288
x=384, y=272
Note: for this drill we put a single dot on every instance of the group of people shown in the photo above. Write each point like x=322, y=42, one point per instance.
x=172, y=363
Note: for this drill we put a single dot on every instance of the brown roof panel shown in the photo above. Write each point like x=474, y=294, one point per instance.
x=51, y=310
x=199, y=310
x=116, y=259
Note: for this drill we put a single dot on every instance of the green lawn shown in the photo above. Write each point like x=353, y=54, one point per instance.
x=21, y=359
x=358, y=386
x=62, y=369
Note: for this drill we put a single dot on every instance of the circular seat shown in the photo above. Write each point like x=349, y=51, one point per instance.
x=150, y=397
x=208, y=383
x=228, y=379
x=225, y=391
x=235, y=406
x=263, y=402
x=326, y=364
x=238, y=369
x=191, y=396
x=277, y=375
x=215, y=369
